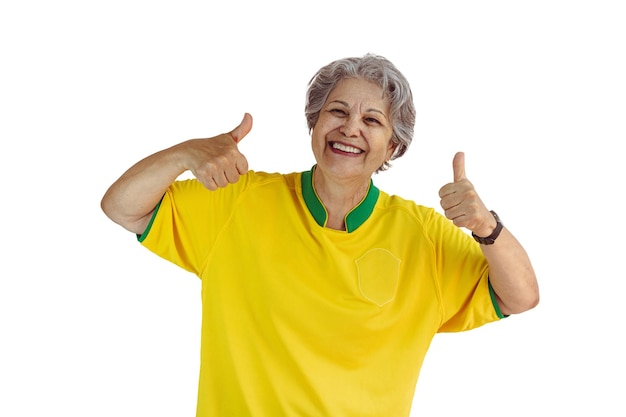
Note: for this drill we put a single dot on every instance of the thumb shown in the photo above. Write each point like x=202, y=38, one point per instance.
x=243, y=129
x=458, y=166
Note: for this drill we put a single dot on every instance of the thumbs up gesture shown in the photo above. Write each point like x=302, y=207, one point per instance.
x=461, y=202
x=217, y=162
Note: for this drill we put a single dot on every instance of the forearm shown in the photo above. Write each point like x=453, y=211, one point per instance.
x=130, y=201
x=511, y=274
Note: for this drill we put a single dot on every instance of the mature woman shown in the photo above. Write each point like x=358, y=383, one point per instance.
x=321, y=293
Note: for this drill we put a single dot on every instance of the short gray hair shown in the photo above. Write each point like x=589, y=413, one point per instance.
x=373, y=68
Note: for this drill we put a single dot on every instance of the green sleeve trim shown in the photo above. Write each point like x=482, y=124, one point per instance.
x=144, y=235
x=494, y=301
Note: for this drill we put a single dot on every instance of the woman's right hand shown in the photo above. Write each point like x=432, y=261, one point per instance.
x=217, y=162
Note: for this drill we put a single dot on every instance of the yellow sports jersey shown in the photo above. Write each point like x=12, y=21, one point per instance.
x=303, y=320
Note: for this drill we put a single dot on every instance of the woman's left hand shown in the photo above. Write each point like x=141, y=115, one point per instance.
x=461, y=202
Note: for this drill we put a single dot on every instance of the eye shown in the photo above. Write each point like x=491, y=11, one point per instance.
x=338, y=112
x=373, y=120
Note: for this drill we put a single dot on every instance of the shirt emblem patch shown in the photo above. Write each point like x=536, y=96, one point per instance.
x=379, y=272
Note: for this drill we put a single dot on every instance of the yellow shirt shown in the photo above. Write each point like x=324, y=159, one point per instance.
x=303, y=320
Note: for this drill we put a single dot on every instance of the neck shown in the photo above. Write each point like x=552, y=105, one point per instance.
x=338, y=197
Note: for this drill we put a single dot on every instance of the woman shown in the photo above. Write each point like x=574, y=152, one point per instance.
x=320, y=292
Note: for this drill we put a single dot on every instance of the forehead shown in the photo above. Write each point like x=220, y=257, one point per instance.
x=358, y=90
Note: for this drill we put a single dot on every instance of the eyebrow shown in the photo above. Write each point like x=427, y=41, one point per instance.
x=345, y=104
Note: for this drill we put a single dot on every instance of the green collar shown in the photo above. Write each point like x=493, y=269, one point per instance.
x=355, y=217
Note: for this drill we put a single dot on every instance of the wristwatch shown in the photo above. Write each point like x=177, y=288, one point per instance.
x=489, y=240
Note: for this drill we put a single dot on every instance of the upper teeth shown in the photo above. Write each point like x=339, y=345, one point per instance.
x=346, y=148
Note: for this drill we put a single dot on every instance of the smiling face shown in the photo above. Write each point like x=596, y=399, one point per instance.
x=352, y=137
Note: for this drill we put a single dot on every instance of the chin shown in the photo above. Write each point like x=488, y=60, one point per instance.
x=345, y=171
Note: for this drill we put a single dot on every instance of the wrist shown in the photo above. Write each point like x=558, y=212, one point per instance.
x=488, y=227
x=491, y=238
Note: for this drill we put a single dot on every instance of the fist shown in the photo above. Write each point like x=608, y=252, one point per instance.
x=461, y=202
x=217, y=162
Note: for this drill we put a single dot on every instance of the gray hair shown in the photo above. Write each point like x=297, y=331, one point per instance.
x=378, y=70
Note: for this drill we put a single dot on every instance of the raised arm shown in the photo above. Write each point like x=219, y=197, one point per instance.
x=216, y=162
x=510, y=271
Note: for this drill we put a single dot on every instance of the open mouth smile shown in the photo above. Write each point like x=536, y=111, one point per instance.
x=345, y=148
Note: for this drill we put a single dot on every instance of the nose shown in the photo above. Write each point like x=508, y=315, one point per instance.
x=351, y=127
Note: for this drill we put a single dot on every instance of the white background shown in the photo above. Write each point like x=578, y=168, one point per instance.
x=92, y=324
